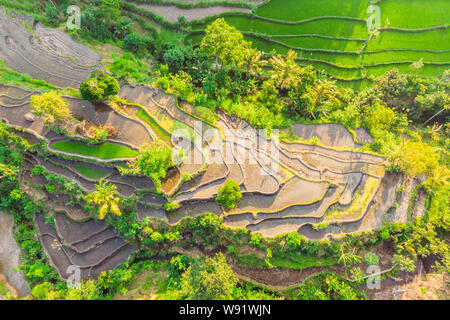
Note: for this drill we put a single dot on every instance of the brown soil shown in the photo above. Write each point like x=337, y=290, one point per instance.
x=278, y=278
x=171, y=13
x=331, y=135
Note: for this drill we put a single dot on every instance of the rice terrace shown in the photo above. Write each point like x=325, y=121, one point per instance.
x=224, y=150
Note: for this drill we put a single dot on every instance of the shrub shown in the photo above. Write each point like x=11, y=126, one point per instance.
x=154, y=162
x=174, y=59
x=416, y=158
x=52, y=14
x=171, y=206
x=135, y=42
x=99, y=86
x=293, y=240
x=209, y=279
x=131, y=69
x=256, y=239
x=122, y=28
x=92, y=23
x=51, y=105
x=371, y=259
x=229, y=194
x=99, y=133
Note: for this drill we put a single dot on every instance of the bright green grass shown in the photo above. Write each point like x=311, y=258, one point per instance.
x=426, y=71
x=26, y=6
x=342, y=73
x=295, y=10
x=320, y=43
x=178, y=125
x=325, y=27
x=331, y=70
x=351, y=60
x=414, y=14
x=90, y=172
x=206, y=114
x=194, y=39
x=102, y=151
x=302, y=261
x=410, y=14
x=354, y=84
x=398, y=56
x=162, y=134
x=431, y=40
x=3, y=290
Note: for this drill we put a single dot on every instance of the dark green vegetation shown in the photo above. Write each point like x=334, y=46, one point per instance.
x=99, y=86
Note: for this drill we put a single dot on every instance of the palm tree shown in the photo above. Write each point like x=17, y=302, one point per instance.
x=286, y=72
x=254, y=63
x=323, y=92
x=106, y=197
x=348, y=258
x=6, y=171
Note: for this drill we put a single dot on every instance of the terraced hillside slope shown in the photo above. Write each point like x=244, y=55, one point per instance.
x=333, y=36
x=287, y=186
x=320, y=182
x=45, y=54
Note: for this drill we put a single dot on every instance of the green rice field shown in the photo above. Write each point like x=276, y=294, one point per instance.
x=331, y=35
x=103, y=151
x=90, y=172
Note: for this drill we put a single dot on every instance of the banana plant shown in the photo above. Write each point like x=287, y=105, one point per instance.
x=106, y=198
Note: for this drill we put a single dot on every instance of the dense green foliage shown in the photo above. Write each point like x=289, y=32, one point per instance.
x=229, y=194
x=324, y=286
x=51, y=106
x=99, y=86
x=154, y=162
x=209, y=279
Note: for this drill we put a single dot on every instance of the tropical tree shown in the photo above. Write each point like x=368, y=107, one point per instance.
x=348, y=258
x=99, y=86
x=226, y=43
x=154, y=161
x=253, y=62
x=51, y=105
x=323, y=94
x=286, y=72
x=416, y=158
x=229, y=194
x=106, y=198
x=209, y=279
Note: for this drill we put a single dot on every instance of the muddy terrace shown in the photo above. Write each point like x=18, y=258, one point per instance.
x=320, y=190
x=287, y=185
